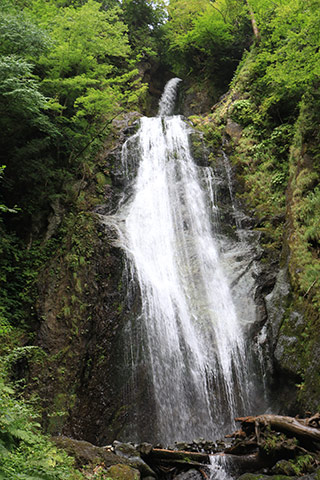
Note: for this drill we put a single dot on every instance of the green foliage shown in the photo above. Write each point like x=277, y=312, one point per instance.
x=268, y=89
x=293, y=60
x=19, y=36
x=305, y=207
x=262, y=160
x=243, y=111
x=63, y=71
x=24, y=452
x=19, y=94
x=303, y=464
x=144, y=19
x=286, y=61
x=66, y=69
x=206, y=37
x=274, y=442
x=4, y=208
x=86, y=69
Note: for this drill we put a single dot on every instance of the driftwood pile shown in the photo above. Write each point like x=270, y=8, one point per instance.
x=261, y=443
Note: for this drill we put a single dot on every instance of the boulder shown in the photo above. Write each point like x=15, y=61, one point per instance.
x=87, y=454
x=189, y=475
x=123, y=472
x=283, y=467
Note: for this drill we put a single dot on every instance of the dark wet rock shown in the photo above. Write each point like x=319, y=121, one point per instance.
x=139, y=464
x=285, y=354
x=198, y=149
x=234, y=130
x=276, y=303
x=221, y=446
x=127, y=124
x=145, y=448
x=55, y=219
x=262, y=476
x=194, y=99
x=198, y=445
x=182, y=446
x=311, y=476
x=132, y=453
x=189, y=475
x=125, y=449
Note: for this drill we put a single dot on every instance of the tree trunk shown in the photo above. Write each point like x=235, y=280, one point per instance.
x=253, y=22
x=297, y=427
x=173, y=458
x=160, y=454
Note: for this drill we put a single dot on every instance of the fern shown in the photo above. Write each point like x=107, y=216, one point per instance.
x=26, y=454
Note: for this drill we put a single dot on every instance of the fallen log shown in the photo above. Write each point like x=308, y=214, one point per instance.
x=296, y=427
x=245, y=463
x=164, y=454
x=165, y=462
x=237, y=464
x=180, y=458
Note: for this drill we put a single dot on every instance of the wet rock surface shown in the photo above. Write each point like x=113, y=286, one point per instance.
x=123, y=472
x=262, y=476
x=189, y=475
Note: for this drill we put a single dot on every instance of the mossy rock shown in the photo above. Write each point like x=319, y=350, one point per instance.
x=123, y=472
x=262, y=476
x=85, y=453
x=284, y=467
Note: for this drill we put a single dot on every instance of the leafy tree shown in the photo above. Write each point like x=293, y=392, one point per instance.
x=144, y=19
x=207, y=37
x=87, y=70
x=24, y=121
x=62, y=70
x=19, y=36
x=286, y=62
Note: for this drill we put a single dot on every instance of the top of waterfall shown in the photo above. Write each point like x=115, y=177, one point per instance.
x=167, y=100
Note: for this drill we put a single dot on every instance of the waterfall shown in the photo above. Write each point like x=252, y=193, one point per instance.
x=186, y=348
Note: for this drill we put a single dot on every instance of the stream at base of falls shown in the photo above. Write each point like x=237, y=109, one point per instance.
x=190, y=358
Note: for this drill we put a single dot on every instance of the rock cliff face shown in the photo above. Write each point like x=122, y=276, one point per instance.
x=81, y=311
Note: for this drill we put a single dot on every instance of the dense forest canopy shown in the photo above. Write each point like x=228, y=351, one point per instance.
x=67, y=69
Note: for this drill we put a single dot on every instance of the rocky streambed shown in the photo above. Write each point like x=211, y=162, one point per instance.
x=265, y=447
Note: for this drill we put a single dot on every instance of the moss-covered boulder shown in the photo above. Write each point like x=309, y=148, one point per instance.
x=123, y=472
x=85, y=453
x=123, y=455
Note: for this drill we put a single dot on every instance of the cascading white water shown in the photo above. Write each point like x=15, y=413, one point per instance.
x=191, y=338
x=220, y=468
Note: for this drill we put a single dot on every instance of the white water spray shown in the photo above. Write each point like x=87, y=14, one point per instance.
x=220, y=468
x=189, y=337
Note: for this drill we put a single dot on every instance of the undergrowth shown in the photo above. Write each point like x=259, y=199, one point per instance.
x=25, y=453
